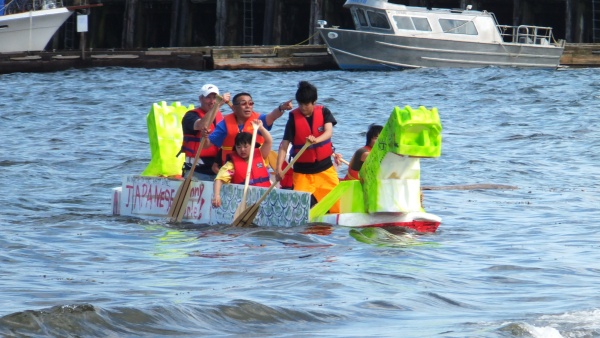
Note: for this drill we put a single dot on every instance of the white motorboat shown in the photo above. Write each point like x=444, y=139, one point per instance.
x=29, y=25
x=392, y=36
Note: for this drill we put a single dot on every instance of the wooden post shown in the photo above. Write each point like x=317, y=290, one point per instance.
x=268, y=22
x=82, y=43
x=568, y=21
x=220, y=25
x=315, y=14
x=182, y=32
x=516, y=12
x=277, y=25
x=129, y=23
x=174, y=23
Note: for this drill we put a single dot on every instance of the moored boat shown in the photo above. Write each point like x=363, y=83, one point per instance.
x=388, y=194
x=393, y=36
x=29, y=25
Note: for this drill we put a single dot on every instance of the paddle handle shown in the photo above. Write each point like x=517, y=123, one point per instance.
x=211, y=117
x=250, y=159
x=176, y=211
x=247, y=216
x=289, y=166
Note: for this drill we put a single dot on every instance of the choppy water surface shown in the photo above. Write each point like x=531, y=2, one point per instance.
x=503, y=263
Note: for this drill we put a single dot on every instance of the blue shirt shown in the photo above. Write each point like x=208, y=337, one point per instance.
x=218, y=135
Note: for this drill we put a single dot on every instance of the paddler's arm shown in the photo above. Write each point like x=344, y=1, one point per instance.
x=278, y=112
x=223, y=176
x=283, y=148
x=267, y=145
x=216, y=200
x=364, y=155
x=323, y=137
x=217, y=136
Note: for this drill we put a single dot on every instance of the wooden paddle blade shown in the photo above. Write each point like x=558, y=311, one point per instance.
x=247, y=216
x=182, y=196
x=239, y=209
x=178, y=207
x=272, y=159
x=471, y=187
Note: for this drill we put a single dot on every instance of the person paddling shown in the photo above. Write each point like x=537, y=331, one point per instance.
x=240, y=120
x=192, y=125
x=361, y=154
x=235, y=169
x=313, y=171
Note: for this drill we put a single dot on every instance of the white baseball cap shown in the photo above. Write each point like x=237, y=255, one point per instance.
x=207, y=89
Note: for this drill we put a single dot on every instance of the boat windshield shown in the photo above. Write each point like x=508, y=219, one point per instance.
x=359, y=18
x=412, y=23
x=454, y=26
x=378, y=20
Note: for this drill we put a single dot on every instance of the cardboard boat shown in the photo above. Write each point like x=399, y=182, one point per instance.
x=388, y=194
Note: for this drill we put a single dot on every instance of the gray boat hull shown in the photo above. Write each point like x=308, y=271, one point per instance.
x=358, y=50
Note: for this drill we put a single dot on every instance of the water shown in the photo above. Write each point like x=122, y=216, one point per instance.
x=518, y=263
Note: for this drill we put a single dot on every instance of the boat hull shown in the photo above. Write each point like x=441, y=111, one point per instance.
x=30, y=31
x=151, y=197
x=415, y=221
x=358, y=50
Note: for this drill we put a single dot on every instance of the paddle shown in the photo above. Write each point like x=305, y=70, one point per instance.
x=247, y=216
x=272, y=158
x=242, y=205
x=182, y=195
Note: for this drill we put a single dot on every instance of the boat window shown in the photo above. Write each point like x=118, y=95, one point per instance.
x=359, y=18
x=378, y=20
x=421, y=24
x=412, y=23
x=404, y=22
x=458, y=26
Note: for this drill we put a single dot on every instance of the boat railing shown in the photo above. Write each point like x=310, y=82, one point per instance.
x=21, y=6
x=529, y=35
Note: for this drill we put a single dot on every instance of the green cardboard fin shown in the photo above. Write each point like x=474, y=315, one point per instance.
x=165, y=136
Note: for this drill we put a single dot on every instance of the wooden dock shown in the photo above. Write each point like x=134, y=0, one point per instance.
x=305, y=57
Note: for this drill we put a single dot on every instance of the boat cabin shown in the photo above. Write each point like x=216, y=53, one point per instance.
x=379, y=16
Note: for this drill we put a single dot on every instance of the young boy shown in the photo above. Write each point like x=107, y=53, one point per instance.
x=313, y=171
x=235, y=169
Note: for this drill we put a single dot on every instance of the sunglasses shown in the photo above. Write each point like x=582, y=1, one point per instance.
x=243, y=103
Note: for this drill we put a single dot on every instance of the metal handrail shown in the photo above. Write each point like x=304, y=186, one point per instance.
x=524, y=34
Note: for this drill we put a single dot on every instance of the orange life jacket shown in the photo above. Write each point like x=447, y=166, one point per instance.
x=315, y=152
x=259, y=175
x=233, y=129
x=191, y=142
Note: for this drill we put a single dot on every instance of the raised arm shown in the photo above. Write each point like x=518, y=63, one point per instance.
x=267, y=145
x=278, y=112
x=281, y=154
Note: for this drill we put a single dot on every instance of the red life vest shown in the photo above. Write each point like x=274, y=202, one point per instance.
x=259, y=175
x=288, y=179
x=233, y=129
x=191, y=142
x=315, y=152
x=354, y=174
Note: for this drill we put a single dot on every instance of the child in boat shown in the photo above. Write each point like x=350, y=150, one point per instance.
x=235, y=169
x=361, y=154
x=313, y=170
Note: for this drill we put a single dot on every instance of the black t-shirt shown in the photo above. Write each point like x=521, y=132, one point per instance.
x=290, y=132
x=187, y=124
